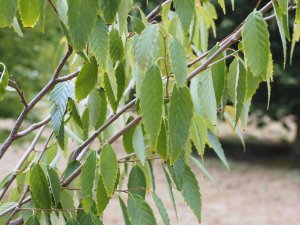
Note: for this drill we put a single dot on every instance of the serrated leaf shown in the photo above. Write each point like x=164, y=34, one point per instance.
x=3, y=81
x=252, y=85
x=162, y=143
x=170, y=191
x=204, y=170
x=29, y=11
x=199, y=133
x=241, y=90
x=97, y=106
x=296, y=31
x=54, y=184
x=151, y=103
x=86, y=79
x=102, y=198
x=124, y=211
x=217, y=147
x=191, y=192
x=232, y=80
x=123, y=14
x=185, y=10
x=116, y=49
x=99, y=42
x=177, y=172
x=161, y=208
x=74, y=112
x=138, y=144
x=96, y=220
x=39, y=188
x=137, y=25
x=82, y=15
x=59, y=99
x=109, y=9
x=235, y=127
x=87, y=180
x=71, y=167
x=146, y=48
x=256, y=43
x=180, y=117
x=72, y=221
x=32, y=220
x=108, y=168
x=128, y=136
x=8, y=10
x=137, y=180
x=178, y=61
x=139, y=211
x=222, y=4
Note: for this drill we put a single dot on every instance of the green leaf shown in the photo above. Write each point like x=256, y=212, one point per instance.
x=191, y=192
x=161, y=208
x=3, y=81
x=185, y=10
x=139, y=211
x=170, y=191
x=96, y=220
x=162, y=143
x=39, y=189
x=72, y=221
x=151, y=103
x=146, y=48
x=109, y=9
x=116, y=49
x=71, y=167
x=54, y=184
x=8, y=10
x=102, y=198
x=97, y=106
x=128, y=136
x=204, y=170
x=74, y=112
x=232, y=80
x=178, y=61
x=222, y=4
x=206, y=94
x=67, y=202
x=296, y=30
x=108, y=168
x=177, y=172
x=180, y=117
x=123, y=14
x=82, y=15
x=137, y=25
x=29, y=11
x=86, y=79
x=59, y=99
x=124, y=211
x=217, y=147
x=138, y=144
x=87, y=180
x=199, y=133
x=99, y=42
x=237, y=129
x=256, y=43
x=241, y=90
x=137, y=180
x=32, y=220
x=252, y=85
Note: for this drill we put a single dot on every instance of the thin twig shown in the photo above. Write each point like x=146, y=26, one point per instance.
x=33, y=127
x=19, y=91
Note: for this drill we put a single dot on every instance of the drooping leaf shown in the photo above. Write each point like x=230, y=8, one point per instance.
x=128, y=136
x=86, y=79
x=109, y=9
x=151, y=102
x=71, y=167
x=252, y=85
x=222, y=4
x=124, y=211
x=102, y=198
x=296, y=30
x=138, y=144
x=116, y=49
x=241, y=90
x=178, y=61
x=99, y=42
x=185, y=10
x=123, y=14
x=137, y=24
x=59, y=100
x=108, y=168
x=8, y=10
x=162, y=143
x=204, y=170
x=180, y=117
x=170, y=191
x=161, y=208
x=74, y=112
x=97, y=106
x=54, y=184
x=177, y=172
x=87, y=180
x=3, y=81
x=39, y=188
x=32, y=220
x=82, y=15
x=72, y=221
x=199, y=133
x=29, y=11
x=137, y=182
x=96, y=220
x=191, y=192
x=139, y=211
x=256, y=43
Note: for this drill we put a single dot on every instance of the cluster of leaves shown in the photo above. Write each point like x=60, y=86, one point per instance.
x=174, y=110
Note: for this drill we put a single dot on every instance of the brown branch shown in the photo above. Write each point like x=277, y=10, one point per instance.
x=19, y=91
x=32, y=128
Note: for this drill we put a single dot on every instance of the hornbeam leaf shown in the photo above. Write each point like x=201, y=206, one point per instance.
x=109, y=9
x=138, y=144
x=241, y=90
x=8, y=10
x=256, y=43
x=32, y=220
x=39, y=188
x=82, y=15
x=97, y=106
x=185, y=10
x=162, y=143
x=86, y=79
x=99, y=42
x=180, y=117
x=54, y=184
x=124, y=211
x=199, y=133
x=59, y=100
x=177, y=172
x=139, y=211
x=137, y=182
x=72, y=221
x=102, y=198
x=204, y=170
x=151, y=102
x=3, y=81
x=178, y=61
x=191, y=192
x=109, y=168
x=222, y=4
x=128, y=136
x=296, y=30
x=116, y=49
x=161, y=208
x=29, y=11
x=87, y=180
